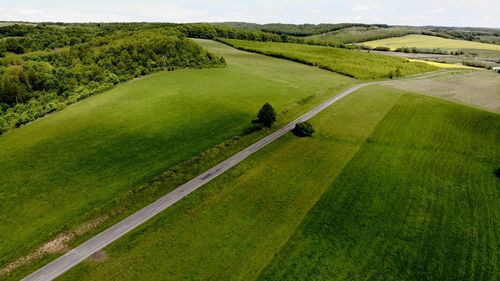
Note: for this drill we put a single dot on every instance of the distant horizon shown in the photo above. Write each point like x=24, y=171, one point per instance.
x=222, y=22
x=446, y=13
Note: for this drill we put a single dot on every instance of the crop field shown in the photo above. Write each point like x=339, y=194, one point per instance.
x=430, y=42
x=361, y=34
x=57, y=170
x=325, y=207
x=418, y=202
x=445, y=65
x=353, y=63
x=476, y=88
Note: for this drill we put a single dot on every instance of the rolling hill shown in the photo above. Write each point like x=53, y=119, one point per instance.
x=67, y=168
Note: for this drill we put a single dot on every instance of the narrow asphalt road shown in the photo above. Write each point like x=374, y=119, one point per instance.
x=101, y=240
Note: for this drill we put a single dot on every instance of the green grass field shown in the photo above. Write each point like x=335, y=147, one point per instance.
x=401, y=187
x=430, y=42
x=353, y=63
x=418, y=202
x=57, y=170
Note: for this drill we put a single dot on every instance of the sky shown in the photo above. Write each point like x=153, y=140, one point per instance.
x=477, y=13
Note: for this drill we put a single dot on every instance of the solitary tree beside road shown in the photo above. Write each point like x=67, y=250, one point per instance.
x=266, y=115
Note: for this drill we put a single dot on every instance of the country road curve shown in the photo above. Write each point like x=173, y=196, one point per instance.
x=62, y=264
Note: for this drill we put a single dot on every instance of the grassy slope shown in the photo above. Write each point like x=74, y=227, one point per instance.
x=231, y=228
x=61, y=167
x=425, y=41
x=477, y=88
x=354, y=63
x=418, y=202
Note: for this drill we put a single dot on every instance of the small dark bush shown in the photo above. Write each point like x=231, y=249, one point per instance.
x=385, y=49
x=497, y=173
x=303, y=129
x=253, y=128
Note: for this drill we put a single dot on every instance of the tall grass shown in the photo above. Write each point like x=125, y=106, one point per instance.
x=352, y=63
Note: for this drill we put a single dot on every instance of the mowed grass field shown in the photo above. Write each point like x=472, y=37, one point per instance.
x=419, y=201
x=393, y=186
x=476, y=88
x=430, y=42
x=353, y=63
x=59, y=169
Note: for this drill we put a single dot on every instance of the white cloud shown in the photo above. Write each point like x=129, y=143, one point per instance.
x=365, y=8
x=31, y=12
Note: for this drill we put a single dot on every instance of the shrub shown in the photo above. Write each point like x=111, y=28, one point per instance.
x=253, y=128
x=303, y=129
x=266, y=115
x=385, y=49
x=497, y=173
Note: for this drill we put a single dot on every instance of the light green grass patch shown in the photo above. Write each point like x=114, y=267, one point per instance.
x=477, y=88
x=445, y=65
x=430, y=42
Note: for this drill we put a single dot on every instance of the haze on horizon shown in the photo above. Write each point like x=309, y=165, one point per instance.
x=471, y=13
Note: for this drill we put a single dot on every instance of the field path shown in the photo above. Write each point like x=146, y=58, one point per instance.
x=101, y=240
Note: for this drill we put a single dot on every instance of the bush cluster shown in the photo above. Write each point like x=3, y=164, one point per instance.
x=303, y=129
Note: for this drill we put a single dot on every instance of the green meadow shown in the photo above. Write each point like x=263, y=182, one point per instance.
x=58, y=170
x=392, y=186
x=353, y=63
x=419, y=201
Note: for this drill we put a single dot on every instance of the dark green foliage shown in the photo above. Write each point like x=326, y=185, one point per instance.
x=384, y=49
x=14, y=45
x=254, y=127
x=2, y=49
x=415, y=50
x=266, y=115
x=497, y=173
x=299, y=30
x=303, y=129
